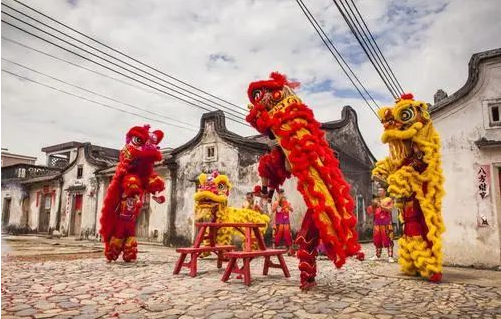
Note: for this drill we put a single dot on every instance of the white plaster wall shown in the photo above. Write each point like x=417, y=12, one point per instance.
x=459, y=125
x=15, y=193
x=55, y=206
x=34, y=210
x=159, y=212
x=104, y=182
x=89, y=202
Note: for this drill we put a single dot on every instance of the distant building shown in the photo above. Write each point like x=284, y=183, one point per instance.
x=469, y=123
x=9, y=159
x=57, y=196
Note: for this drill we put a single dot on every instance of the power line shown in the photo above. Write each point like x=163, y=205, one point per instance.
x=338, y=53
x=315, y=25
x=370, y=46
x=371, y=53
x=113, y=70
x=116, y=65
x=123, y=54
x=238, y=111
x=91, y=101
x=377, y=47
x=352, y=27
x=80, y=66
x=98, y=94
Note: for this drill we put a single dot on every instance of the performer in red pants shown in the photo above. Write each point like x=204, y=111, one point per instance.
x=281, y=208
x=383, y=229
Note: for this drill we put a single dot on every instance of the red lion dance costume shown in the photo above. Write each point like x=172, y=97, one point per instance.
x=303, y=151
x=134, y=178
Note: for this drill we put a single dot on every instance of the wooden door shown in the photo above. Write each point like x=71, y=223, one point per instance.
x=44, y=216
x=76, y=215
x=6, y=212
x=143, y=220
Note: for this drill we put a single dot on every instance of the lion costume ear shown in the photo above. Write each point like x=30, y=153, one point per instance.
x=159, y=134
x=202, y=178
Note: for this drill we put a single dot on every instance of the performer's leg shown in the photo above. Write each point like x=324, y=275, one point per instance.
x=130, y=245
x=113, y=248
x=425, y=262
x=378, y=242
x=279, y=234
x=307, y=240
x=389, y=242
x=288, y=238
x=404, y=256
x=130, y=249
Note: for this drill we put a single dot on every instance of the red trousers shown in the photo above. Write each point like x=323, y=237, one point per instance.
x=383, y=236
x=283, y=232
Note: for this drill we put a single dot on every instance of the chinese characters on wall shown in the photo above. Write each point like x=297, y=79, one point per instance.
x=483, y=180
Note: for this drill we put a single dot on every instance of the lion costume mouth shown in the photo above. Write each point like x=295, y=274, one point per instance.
x=208, y=198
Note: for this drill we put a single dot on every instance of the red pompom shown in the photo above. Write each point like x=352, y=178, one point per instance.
x=407, y=96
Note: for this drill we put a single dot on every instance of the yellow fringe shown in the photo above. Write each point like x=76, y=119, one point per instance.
x=414, y=254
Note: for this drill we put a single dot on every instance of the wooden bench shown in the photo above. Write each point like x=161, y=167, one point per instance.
x=195, y=252
x=247, y=256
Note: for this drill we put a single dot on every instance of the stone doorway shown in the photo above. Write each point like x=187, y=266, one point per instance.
x=143, y=220
x=76, y=215
x=6, y=212
x=44, y=214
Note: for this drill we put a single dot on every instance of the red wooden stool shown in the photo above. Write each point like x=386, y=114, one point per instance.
x=194, y=253
x=247, y=256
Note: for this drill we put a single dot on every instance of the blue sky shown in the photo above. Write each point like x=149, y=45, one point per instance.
x=221, y=46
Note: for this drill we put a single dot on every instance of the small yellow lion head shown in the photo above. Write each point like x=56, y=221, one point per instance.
x=213, y=190
x=404, y=119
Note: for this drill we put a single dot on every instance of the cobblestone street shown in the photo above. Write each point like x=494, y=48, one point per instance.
x=44, y=278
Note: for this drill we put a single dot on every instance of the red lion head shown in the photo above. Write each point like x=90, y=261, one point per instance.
x=142, y=144
x=265, y=96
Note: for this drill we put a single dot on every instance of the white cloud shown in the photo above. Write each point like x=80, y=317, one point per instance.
x=428, y=44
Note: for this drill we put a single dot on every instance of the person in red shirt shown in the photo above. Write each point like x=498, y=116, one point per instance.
x=281, y=209
x=380, y=210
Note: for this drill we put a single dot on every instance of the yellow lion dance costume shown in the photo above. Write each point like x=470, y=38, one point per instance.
x=211, y=205
x=414, y=177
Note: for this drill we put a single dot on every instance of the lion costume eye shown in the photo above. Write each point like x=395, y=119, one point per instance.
x=257, y=95
x=221, y=187
x=407, y=115
x=136, y=140
x=277, y=95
